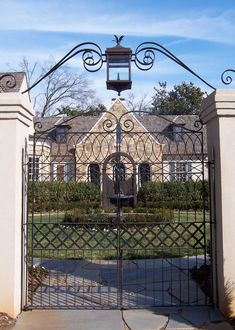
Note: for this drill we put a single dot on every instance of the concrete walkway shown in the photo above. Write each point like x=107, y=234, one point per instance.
x=148, y=319
x=93, y=284
x=146, y=282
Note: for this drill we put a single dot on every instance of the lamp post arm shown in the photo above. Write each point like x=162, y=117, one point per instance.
x=144, y=58
x=92, y=57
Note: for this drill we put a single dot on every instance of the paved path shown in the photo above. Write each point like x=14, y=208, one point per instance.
x=153, y=319
x=93, y=284
x=146, y=282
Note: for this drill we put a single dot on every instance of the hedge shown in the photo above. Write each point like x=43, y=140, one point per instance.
x=60, y=196
x=76, y=216
x=188, y=195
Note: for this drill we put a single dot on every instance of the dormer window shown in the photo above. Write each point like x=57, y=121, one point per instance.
x=61, y=134
x=178, y=132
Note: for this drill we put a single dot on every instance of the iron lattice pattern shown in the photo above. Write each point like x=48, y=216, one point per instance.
x=136, y=236
x=118, y=213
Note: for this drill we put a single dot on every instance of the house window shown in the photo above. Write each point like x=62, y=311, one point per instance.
x=180, y=171
x=60, y=173
x=36, y=169
x=94, y=174
x=144, y=172
x=63, y=172
x=70, y=172
x=61, y=134
x=178, y=132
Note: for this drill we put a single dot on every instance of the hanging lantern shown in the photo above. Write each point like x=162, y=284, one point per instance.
x=118, y=60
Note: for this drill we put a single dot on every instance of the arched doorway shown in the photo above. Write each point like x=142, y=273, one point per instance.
x=119, y=181
x=144, y=173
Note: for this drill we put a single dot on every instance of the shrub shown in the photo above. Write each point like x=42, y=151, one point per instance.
x=188, y=195
x=76, y=216
x=60, y=196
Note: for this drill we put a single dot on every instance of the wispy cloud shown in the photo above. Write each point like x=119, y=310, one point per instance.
x=77, y=17
x=43, y=29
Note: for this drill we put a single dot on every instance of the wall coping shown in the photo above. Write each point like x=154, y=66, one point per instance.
x=16, y=106
x=220, y=103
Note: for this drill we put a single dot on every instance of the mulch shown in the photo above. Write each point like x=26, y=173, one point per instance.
x=36, y=275
x=6, y=322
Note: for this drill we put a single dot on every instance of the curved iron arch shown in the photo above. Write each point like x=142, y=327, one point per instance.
x=118, y=154
x=129, y=125
x=93, y=59
x=144, y=58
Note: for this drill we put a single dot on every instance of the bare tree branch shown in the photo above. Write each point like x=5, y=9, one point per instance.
x=60, y=88
x=142, y=104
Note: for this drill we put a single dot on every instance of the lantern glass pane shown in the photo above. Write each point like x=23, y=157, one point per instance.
x=118, y=73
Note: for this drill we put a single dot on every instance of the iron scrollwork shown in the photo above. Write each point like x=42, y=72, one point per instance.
x=7, y=80
x=198, y=124
x=226, y=78
x=92, y=58
x=37, y=126
x=144, y=58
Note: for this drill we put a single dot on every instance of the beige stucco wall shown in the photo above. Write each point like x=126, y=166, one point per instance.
x=218, y=112
x=15, y=124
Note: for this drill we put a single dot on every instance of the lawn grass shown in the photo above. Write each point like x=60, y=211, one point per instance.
x=185, y=235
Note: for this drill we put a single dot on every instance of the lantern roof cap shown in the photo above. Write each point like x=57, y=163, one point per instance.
x=118, y=49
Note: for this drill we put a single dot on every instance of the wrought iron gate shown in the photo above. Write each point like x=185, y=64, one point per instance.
x=118, y=212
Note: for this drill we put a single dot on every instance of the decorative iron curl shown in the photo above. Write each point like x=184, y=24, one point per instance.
x=92, y=60
x=127, y=125
x=226, y=78
x=144, y=58
x=7, y=80
x=37, y=126
x=109, y=126
x=198, y=125
x=92, y=57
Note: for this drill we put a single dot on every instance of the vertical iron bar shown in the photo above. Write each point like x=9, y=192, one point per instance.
x=213, y=236
x=204, y=207
x=23, y=229
x=32, y=219
x=119, y=212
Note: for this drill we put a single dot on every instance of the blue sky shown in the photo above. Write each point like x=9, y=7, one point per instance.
x=201, y=33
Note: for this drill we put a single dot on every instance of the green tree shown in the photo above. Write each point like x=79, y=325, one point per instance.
x=183, y=99
x=91, y=110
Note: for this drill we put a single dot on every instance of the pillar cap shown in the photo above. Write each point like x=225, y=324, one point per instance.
x=220, y=103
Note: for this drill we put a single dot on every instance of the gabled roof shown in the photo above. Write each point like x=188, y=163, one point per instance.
x=155, y=123
x=151, y=123
x=160, y=128
x=77, y=124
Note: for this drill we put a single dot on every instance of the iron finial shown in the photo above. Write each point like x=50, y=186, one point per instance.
x=118, y=39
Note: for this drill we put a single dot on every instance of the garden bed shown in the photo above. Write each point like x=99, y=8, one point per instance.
x=36, y=275
x=6, y=322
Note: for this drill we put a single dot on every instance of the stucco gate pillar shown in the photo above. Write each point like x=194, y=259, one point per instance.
x=218, y=113
x=16, y=116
